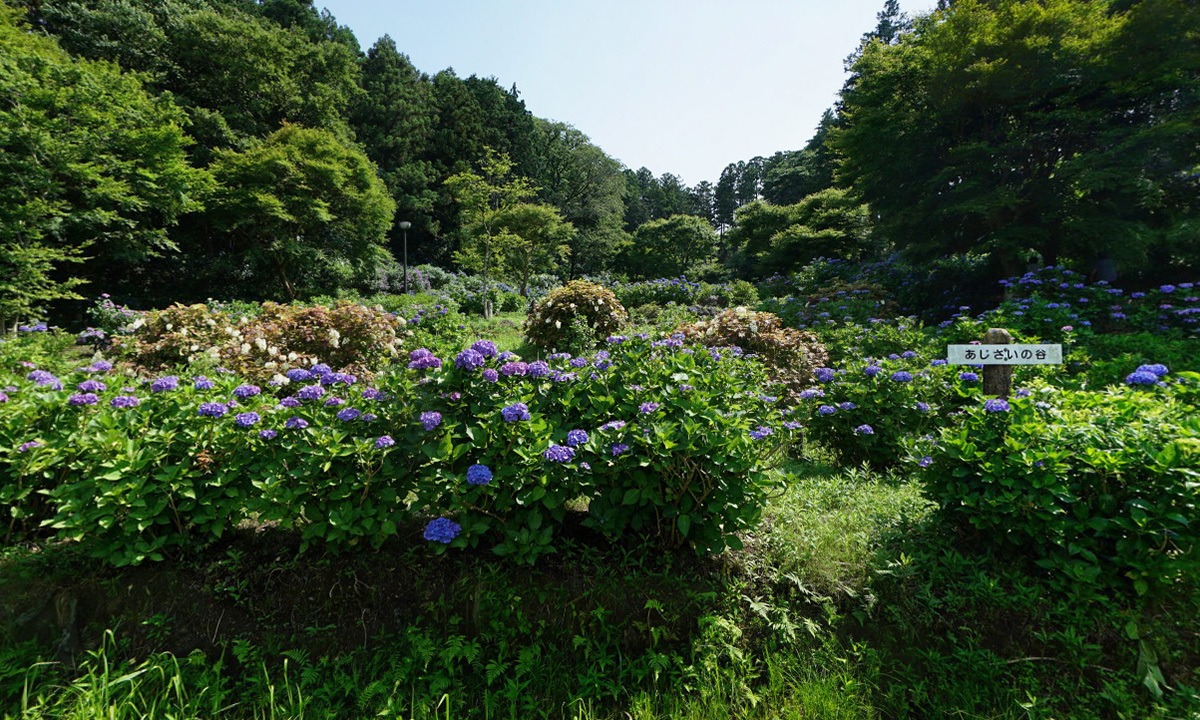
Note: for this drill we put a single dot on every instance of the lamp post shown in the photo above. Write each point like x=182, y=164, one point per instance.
x=405, y=225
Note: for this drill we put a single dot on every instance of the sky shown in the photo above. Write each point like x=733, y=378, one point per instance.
x=678, y=86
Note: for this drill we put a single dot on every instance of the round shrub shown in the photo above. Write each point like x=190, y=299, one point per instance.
x=790, y=356
x=549, y=324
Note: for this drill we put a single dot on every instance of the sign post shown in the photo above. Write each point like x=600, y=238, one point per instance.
x=997, y=355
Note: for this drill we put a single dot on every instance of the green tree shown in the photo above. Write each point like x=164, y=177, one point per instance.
x=483, y=198
x=303, y=210
x=531, y=239
x=1000, y=126
x=88, y=159
x=672, y=246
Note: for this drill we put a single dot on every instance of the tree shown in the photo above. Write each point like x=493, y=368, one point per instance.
x=482, y=199
x=671, y=246
x=88, y=159
x=531, y=239
x=304, y=207
x=1007, y=125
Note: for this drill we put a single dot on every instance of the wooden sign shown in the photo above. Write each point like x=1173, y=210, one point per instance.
x=1004, y=354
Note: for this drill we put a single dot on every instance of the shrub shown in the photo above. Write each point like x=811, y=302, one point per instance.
x=790, y=356
x=549, y=322
x=1099, y=487
x=833, y=306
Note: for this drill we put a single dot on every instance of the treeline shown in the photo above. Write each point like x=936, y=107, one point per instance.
x=238, y=148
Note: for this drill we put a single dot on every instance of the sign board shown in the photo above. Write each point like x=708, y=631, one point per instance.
x=1004, y=354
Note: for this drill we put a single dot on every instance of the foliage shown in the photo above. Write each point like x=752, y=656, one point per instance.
x=789, y=356
x=682, y=291
x=1099, y=487
x=838, y=304
x=669, y=246
x=302, y=209
x=552, y=316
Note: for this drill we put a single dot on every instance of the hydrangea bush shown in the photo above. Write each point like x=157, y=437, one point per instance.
x=1099, y=487
x=482, y=448
x=549, y=323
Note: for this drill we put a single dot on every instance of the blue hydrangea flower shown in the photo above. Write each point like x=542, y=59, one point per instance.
x=213, y=409
x=648, y=407
x=575, y=438
x=761, y=432
x=348, y=414
x=246, y=419
x=826, y=410
x=923, y=407
x=1158, y=369
x=246, y=391
x=612, y=425
x=124, y=401
x=1141, y=377
x=479, y=475
x=369, y=417
x=431, y=419
x=321, y=369
x=825, y=374
x=298, y=375
x=559, y=453
x=490, y=375
x=203, y=383
x=847, y=405
x=996, y=405
x=310, y=392
x=578, y=362
x=908, y=354
x=968, y=377
x=268, y=434
x=84, y=399
x=872, y=370
x=902, y=376
x=100, y=366
x=938, y=362
x=442, y=530
x=370, y=394
x=925, y=461
x=864, y=430
x=296, y=423
x=91, y=386
x=515, y=368
x=334, y=402
x=162, y=384
x=538, y=369
x=384, y=441
x=289, y=402
x=811, y=393
x=619, y=449
x=515, y=412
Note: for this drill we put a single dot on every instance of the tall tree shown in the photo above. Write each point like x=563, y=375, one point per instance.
x=672, y=246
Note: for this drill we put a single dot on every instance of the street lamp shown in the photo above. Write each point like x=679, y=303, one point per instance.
x=405, y=225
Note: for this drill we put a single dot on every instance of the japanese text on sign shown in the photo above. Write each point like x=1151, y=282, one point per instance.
x=1004, y=354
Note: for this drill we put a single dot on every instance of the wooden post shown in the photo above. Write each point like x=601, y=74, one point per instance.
x=997, y=379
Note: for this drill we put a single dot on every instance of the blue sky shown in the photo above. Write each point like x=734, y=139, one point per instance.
x=677, y=86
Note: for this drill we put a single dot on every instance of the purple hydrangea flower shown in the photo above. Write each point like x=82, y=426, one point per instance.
x=996, y=405
x=442, y=530
x=124, y=401
x=968, y=377
x=538, y=369
x=334, y=402
x=268, y=434
x=203, y=383
x=619, y=449
x=289, y=402
x=578, y=362
x=298, y=375
x=431, y=419
x=162, y=384
x=370, y=394
x=486, y=348
x=296, y=423
x=1157, y=369
x=334, y=378
x=864, y=430
x=26, y=447
x=3, y=397
x=923, y=407
x=84, y=399
x=506, y=356
x=902, y=376
x=348, y=414
x=847, y=405
x=423, y=359
x=213, y=409
x=648, y=407
x=925, y=461
x=479, y=475
x=384, y=441
x=320, y=369
x=91, y=386
x=246, y=419
x=515, y=412
x=826, y=410
x=872, y=370
x=825, y=374
x=100, y=366
x=246, y=391
x=908, y=354
x=575, y=438
x=469, y=359
x=761, y=432
x=612, y=425
x=514, y=368
x=490, y=375
x=310, y=392
x=811, y=393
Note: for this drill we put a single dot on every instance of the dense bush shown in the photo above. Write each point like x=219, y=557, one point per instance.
x=682, y=291
x=1099, y=487
x=578, y=303
x=790, y=356
x=651, y=437
x=349, y=337
x=834, y=305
